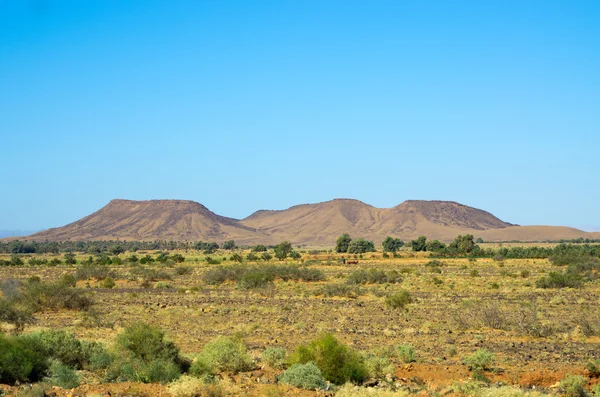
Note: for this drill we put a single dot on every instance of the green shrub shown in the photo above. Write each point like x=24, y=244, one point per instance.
x=127, y=368
x=342, y=290
x=222, y=354
x=306, y=376
x=255, y=279
x=144, y=355
x=559, y=280
x=399, y=299
x=162, y=285
x=378, y=366
x=337, y=362
x=98, y=272
x=59, y=345
x=374, y=276
x=474, y=273
x=182, y=270
x=435, y=264
x=406, y=353
x=573, y=386
x=147, y=343
x=38, y=295
x=109, y=283
x=593, y=367
x=20, y=361
x=479, y=362
x=275, y=357
x=62, y=375
x=10, y=313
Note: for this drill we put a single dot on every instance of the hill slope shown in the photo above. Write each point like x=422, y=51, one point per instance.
x=152, y=220
x=312, y=224
x=324, y=222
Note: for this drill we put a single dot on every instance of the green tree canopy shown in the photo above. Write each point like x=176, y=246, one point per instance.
x=391, y=244
x=229, y=245
x=282, y=250
x=342, y=243
x=360, y=246
x=435, y=246
x=419, y=244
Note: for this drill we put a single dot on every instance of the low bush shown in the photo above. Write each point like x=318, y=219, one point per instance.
x=560, y=280
x=406, y=353
x=183, y=270
x=222, y=354
x=236, y=273
x=62, y=375
x=97, y=272
x=593, y=368
x=399, y=299
x=61, y=346
x=573, y=386
x=38, y=295
x=20, y=361
x=145, y=355
x=337, y=362
x=341, y=290
x=378, y=366
x=255, y=279
x=478, y=363
x=306, y=376
x=189, y=386
x=374, y=276
x=350, y=390
x=10, y=313
x=275, y=357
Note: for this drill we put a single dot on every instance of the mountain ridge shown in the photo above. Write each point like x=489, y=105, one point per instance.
x=316, y=224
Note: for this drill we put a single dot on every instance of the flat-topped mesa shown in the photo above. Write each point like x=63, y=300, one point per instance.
x=151, y=220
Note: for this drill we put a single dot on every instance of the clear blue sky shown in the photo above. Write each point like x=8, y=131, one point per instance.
x=244, y=105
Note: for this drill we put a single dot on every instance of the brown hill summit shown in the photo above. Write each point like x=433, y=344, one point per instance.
x=313, y=224
x=322, y=223
x=151, y=220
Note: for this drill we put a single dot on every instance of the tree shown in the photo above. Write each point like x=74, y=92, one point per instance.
x=435, y=246
x=229, y=245
x=266, y=256
x=391, y=244
x=260, y=248
x=419, y=244
x=360, y=246
x=463, y=244
x=237, y=258
x=70, y=258
x=479, y=240
x=295, y=255
x=283, y=250
x=116, y=249
x=342, y=243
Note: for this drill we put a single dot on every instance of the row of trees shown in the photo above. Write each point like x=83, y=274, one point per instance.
x=113, y=247
x=345, y=244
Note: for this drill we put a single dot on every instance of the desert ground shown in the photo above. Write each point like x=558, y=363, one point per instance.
x=457, y=307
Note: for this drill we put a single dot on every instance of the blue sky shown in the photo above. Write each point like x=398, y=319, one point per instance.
x=245, y=105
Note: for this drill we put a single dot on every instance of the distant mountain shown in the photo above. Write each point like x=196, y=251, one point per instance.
x=15, y=233
x=312, y=224
x=324, y=222
x=177, y=220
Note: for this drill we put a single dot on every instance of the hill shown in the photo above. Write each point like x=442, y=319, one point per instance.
x=311, y=224
x=177, y=220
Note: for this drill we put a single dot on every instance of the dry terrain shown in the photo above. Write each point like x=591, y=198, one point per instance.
x=537, y=335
